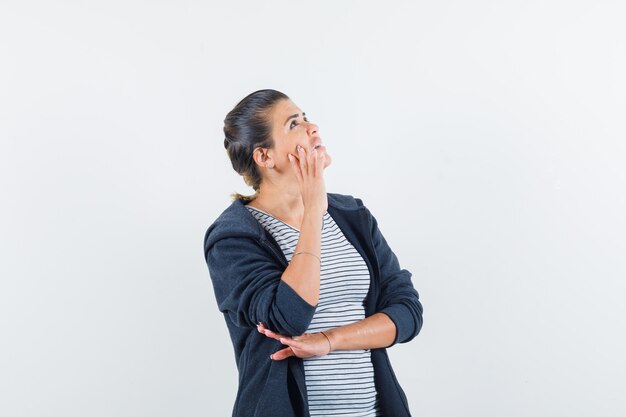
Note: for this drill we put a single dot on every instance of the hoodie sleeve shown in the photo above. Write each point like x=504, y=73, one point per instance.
x=398, y=299
x=248, y=288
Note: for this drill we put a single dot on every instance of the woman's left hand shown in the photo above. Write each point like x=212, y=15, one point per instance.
x=304, y=346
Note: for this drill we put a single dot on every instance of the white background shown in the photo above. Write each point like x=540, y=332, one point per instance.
x=487, y=137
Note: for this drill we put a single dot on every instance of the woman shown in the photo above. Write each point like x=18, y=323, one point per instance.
x=311, y=292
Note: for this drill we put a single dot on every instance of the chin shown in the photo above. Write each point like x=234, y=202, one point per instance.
x=327, y=161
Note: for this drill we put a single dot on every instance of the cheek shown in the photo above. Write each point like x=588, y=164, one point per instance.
x=283, y=153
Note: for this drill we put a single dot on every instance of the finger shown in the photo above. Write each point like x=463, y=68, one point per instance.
x=302, y=159
x=295, y=165
x=282, y=354
x=308, y=158
x=267, y=332
x=292, y=343
x=261, y=327
x=315, y=162
x=274, y=335
x=312, y=162
x=322, y=162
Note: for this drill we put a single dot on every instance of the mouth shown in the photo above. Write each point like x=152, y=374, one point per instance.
x=317, y=146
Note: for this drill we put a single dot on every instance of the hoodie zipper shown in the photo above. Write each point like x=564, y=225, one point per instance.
x=277, y=253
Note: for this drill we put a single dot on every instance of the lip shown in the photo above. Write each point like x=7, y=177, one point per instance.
x=317, y=145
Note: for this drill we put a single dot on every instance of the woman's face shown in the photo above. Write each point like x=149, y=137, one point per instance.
x=290, y=128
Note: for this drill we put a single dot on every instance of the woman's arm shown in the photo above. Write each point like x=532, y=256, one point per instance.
x=398, y=318
x=373, y=332
x=248, y=288
x=398, y=298
x=303, y=272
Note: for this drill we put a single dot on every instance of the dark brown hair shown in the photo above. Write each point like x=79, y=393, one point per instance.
x=247, y=127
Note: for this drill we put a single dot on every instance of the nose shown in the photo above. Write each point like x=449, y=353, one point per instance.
x=312, y=129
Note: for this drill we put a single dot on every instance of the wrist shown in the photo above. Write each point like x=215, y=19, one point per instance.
x=330, y=343
x=313, y=222
x=333, y=338
x=314, y=212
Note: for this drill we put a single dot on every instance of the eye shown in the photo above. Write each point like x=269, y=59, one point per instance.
x=294, y=123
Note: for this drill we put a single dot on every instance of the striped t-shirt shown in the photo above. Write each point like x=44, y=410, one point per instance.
x=342, y=382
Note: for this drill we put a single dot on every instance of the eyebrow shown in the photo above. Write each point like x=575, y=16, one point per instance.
x=293, y=116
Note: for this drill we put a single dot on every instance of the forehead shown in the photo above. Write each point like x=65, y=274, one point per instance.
x=283, y=109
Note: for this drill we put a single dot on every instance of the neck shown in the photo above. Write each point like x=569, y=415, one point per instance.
x=280, y=200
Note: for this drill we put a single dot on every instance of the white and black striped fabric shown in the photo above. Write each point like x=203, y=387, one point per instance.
x=341, y=383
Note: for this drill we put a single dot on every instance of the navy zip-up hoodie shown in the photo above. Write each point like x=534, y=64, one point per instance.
x=245, y=264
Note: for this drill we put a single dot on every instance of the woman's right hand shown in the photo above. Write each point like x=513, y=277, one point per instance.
x=309, y=169
x=303, y=346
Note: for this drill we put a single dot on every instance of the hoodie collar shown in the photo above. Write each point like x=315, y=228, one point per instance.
x=236, y=220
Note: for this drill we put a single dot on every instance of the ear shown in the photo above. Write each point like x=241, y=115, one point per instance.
x=262, y=158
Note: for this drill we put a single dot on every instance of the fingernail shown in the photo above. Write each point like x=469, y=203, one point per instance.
x=271, y=356
x=299, y=148
x=290, y=157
